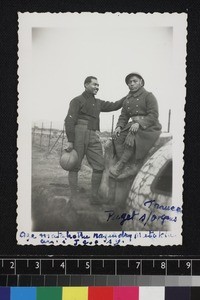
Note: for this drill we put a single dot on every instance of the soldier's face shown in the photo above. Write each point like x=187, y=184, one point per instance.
x=135, y=83
x=92, y=87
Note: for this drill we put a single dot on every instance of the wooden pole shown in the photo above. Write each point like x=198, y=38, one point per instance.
x=56, y=141
x=169, y=120
x=50, y=136
x=41, y=135
x=112, y=128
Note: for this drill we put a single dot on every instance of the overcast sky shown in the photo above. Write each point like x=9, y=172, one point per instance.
x=108, y=48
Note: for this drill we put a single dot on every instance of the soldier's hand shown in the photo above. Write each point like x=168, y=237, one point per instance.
x=69, y=146
x=134, y=127
x=117, y=132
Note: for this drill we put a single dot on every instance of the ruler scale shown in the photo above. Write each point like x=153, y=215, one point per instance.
x=96, y=266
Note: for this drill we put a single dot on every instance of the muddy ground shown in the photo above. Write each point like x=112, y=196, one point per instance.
x=51, y=210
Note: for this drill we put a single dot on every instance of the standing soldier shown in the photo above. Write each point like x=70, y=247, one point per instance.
x=81, y=124
x=134, y=139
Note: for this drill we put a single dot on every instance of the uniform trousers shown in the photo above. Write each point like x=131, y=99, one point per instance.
x=88, y=143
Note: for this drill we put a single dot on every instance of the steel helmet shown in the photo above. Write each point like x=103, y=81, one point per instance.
x=134, y=74
x=69, y=160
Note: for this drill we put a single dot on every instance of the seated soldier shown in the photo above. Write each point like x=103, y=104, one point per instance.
x=134, y=139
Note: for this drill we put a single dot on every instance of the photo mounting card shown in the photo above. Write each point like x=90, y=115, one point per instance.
x=104, y=199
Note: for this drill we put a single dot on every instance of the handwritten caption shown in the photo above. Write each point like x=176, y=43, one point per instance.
x=156, y=213
x=91, y=239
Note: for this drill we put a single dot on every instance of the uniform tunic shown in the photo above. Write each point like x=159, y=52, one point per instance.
x=81, y=124
x=142, y=107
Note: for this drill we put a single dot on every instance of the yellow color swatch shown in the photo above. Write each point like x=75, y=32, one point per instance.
x=75, y=293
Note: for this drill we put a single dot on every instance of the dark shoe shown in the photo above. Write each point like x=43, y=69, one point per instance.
x=116, y=169
x=129, y=171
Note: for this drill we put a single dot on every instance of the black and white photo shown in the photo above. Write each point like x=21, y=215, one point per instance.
x=101, y=127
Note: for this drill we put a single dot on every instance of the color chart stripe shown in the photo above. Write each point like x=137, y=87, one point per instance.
x=51, y=293
x=175, y=293
x=129, y=293
x=74, y=293
x=100, y=293
x=152, y=293
x=23, y=293
x=5, y=293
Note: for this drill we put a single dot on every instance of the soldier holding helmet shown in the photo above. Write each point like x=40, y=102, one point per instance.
x=81, y=124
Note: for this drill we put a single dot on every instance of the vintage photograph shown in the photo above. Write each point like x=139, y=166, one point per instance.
x=101, y=128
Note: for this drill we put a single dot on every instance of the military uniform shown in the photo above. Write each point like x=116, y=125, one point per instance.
x=142, y=108
x=81, y=124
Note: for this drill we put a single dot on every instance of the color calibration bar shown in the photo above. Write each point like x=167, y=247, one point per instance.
x=99, y=293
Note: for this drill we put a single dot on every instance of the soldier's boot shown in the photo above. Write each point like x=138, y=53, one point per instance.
x=96, y=181
x=73, y=185
x=118, y=167
x=129, y=171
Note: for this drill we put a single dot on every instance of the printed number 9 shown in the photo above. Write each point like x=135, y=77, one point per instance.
x=188, y=265
x=163, y=265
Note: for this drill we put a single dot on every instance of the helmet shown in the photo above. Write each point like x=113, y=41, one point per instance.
x=133, y=74
x=69, y=160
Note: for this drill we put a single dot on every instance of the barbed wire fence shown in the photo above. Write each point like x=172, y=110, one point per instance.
x=49, y=139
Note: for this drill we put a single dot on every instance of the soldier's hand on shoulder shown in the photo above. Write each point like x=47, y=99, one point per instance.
x=134, y=127
x=69, y=146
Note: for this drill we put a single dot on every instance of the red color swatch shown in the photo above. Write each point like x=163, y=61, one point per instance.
x=100, y=293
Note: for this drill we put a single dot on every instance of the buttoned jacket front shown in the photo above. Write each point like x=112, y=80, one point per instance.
x=142, y=104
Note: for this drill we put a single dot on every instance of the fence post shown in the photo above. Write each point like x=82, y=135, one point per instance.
x=56, y=141
x=169, y=120
x=41, y=135
x=50, y=136
x=112, y=128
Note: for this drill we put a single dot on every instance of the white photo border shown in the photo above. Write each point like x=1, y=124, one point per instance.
x=24, y=234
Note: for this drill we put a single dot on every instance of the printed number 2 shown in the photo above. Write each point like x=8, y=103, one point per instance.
x=12, y=265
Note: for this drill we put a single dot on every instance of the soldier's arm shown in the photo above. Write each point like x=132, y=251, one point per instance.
x=152, y=112
x=71, y=119
x=107, y=106
x=123, y=118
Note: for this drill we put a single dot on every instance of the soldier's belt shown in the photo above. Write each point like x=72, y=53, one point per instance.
x=137, y=118
x=82, y=122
